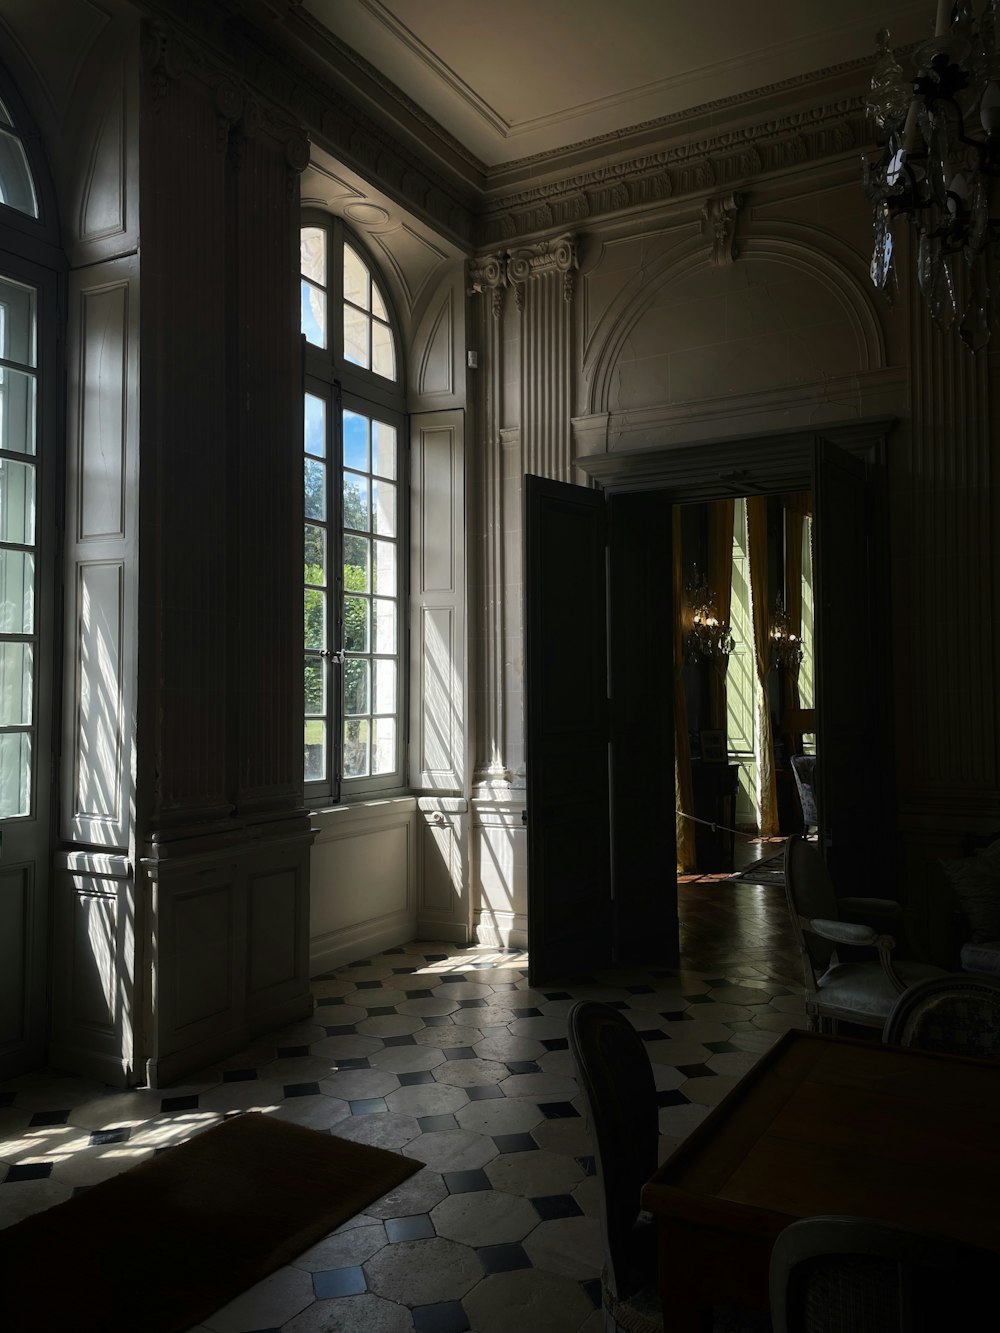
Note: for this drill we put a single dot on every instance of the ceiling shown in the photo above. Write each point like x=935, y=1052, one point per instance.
x=514, y=79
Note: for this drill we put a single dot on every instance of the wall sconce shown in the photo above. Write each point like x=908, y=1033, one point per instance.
x=709, y=639
x=786, y=647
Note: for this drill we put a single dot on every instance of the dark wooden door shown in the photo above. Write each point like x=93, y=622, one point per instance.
x=566, y=729
x=848, y=756
x=641, y=687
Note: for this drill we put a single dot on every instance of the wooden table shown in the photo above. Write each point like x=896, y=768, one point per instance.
x=824, y=1125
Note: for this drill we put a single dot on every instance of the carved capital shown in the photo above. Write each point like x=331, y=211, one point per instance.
x=489, y=274
x=719, y=216
x=164, y=57
x=553, y=256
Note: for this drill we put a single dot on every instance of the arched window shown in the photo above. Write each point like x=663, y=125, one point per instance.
x=354, y=460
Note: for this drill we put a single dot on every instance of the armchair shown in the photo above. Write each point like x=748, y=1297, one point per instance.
x=863, y=991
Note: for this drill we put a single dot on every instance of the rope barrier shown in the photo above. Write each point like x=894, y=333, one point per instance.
x=740, y=833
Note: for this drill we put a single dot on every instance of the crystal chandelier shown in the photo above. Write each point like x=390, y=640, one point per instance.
x=939, y=163
x=709, y=638
x=786, y=647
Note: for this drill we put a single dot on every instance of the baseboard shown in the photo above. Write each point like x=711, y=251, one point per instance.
x=346, y=946
x=501, y=930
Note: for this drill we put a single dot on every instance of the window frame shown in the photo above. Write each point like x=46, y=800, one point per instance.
x=345, y=386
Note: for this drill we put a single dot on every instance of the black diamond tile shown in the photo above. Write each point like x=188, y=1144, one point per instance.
x=325, y=976
x=100, y=1137
x=330, y=999
x=592, y=1289
x=555, y=1043
x=341, y=1030
x=419, y=1076
x=719, y=981
x=589, y=1164
x=437, y=1020
x=301, y=1089
x=398, y=950
x=459, y=1053
x=557, y=995
x=179, y=1104
x=367, y=1105
x=41, y=1118
x=674, y=1015
x=558, y=1110
x=430, y=1123
x=671, y=1097
x=698, y=999
x=238, y=1075
x=446, y=1317
x=488, y=1092
x=354, y=1062
x=292, y=1052
x=403, y=971
x=368, y=985
x=466, y=1182
x=361, y=962
x=423, y=994
x=436, y=957
x=472, y=1004
x=405, y=1040
x=640, y=990
x=515, y=1143
x=339, y=1282
x=7, y=1098
x=653, y=1034
x=503, y=1258
x=695, y=1071
x=409, y=1228
x=380, y=1009
x=617, y=1004
x=523, y=1067
x=452, y=977
x=525, y=1013
x=502, y=986
x=549, y=1207
x=29, y=1171
x=720, y=1047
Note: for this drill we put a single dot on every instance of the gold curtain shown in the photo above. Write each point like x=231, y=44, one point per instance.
x=686, y=856
x=764, y=741
x=720, y=579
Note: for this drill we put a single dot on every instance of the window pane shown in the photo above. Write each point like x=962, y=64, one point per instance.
x=315, y=756
x=357, y=511
x=385, y=569
x=17, y=189
x=356, y=324
x=357, y=564
x=315, y=562
x=384, y=745
x=17, y=322
x=356, y=441
x=383, y=351
x=356, y=733
x=315, y=685
x=17, y=411
x=356, y=624
x=313, y=251
x=384, y=450
x=356, y=686
x=315, y=498
x=315, y=619
x=385, y=686
x=313, y=314
x=356, y=279
x=315, y=426
x=17, y=592
x=17, y=502
x=378, y=305
x=15, y=684
x=384, y=615
x=15, y=774
x=384, y=504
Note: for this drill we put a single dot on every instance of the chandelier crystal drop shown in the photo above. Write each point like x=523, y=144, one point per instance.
x=939, y=164
x=786, y=647
x=709, y=639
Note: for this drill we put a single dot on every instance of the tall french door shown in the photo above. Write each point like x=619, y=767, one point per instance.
x=28, y=470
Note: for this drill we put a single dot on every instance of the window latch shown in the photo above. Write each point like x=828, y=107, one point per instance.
x=333, y=655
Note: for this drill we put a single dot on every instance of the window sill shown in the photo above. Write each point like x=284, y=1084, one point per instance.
x=368, y=810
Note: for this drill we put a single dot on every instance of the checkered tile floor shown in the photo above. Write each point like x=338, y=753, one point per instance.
x=445, y=1054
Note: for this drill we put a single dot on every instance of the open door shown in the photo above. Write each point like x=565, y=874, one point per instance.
x=641, y=670
x=566, y=729
x=850, y=785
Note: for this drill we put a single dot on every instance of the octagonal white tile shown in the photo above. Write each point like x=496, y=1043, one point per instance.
x=484, y=1217
x=423, y=1272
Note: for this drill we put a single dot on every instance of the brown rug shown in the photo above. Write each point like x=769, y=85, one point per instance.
x=159, y=1247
